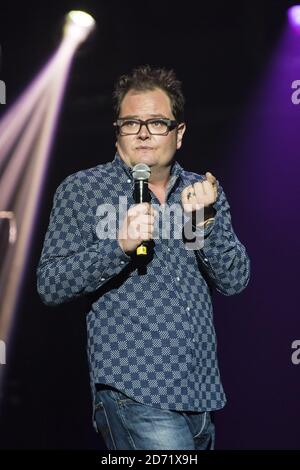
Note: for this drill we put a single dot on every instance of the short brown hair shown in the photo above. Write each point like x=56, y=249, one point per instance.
x=144, y=78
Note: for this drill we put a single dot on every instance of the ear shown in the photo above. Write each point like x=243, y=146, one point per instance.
x=117, y=144
x=180, y=131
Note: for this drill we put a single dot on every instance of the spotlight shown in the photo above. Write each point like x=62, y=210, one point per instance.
x=81, y=19
x=294, y=17
x=79, y=25
x=27, y=131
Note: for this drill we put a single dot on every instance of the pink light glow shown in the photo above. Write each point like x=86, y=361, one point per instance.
x=26, y=136
x=294, y=16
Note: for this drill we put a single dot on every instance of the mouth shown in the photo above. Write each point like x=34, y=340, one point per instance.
x=144, y=147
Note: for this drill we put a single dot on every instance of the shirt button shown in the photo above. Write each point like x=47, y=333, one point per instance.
x=102, y=279
x=188, y=309
x=128, y=181
x=206, y=260
x=177, y=278
x=169, y=249
x=122, y=262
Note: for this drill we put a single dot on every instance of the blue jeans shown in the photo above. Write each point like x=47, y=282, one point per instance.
x=126, y=424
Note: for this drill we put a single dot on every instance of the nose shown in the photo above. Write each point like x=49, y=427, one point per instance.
x=144, y=133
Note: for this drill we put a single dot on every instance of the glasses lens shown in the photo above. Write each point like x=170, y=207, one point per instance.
x=157, y=126
x=130, y=127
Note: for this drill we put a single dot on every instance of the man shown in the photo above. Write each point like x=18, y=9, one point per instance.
x=151, y=339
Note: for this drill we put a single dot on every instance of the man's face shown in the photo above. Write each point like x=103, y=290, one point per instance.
x=154, y=150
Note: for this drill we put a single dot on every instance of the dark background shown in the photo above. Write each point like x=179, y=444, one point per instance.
x=221, y=51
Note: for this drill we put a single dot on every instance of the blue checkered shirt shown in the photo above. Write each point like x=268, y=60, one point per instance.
x=150, y=333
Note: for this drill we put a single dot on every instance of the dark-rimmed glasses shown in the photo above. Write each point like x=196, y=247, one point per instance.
x=154, y=126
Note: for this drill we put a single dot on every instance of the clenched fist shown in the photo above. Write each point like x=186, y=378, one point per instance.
x=202, y=194
x=138, y=226
x=197, y=199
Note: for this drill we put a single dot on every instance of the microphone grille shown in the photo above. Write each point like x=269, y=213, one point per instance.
x=141, y=171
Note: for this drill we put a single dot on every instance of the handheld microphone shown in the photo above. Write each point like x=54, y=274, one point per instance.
x=141, y=173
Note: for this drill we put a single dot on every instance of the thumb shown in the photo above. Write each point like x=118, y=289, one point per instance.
x=210, y=177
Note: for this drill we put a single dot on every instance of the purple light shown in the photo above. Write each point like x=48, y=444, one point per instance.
x=294, y=16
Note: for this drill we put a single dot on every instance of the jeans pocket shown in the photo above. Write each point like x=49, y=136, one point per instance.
x=205, y=436
x=201, y=422
x=103, y=425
